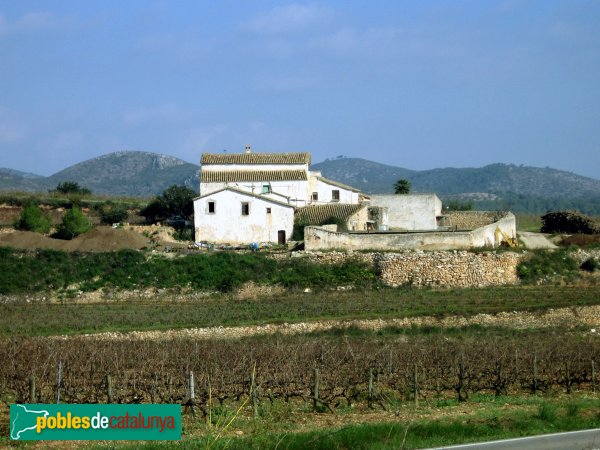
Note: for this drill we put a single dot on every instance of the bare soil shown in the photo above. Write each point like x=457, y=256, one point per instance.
x=100, y=239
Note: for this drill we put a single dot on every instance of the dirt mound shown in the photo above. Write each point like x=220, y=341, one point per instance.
x=101, y=239
x=29, y=240
x=105, y=239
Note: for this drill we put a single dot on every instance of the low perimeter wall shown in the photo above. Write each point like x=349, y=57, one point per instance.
x=452, y=269
x=319, y=238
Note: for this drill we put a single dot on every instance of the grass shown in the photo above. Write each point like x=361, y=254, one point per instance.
x=528, y=222
x=421, y=427
x=42, y=318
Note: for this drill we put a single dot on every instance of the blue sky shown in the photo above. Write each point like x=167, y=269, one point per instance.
x=419, y=85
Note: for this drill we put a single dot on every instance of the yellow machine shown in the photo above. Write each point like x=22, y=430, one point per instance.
x=504, y=238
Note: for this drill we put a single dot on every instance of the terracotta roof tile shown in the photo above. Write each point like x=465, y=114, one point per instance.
x=222, y=176
x=317, y=214
x=255, y=158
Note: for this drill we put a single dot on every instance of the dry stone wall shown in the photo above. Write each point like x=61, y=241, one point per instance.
x=438, y=268
x=448, y=268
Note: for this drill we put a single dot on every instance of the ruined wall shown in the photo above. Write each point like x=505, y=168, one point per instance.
x=469, y=220
x=451, y=269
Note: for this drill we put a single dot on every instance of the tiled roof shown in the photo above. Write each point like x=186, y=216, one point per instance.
x=338, y=184
x=255, y=158
x=317, y=214
x=223, y=176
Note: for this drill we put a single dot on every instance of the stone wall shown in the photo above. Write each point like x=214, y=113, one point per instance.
x=469, y=220
x=448, y=268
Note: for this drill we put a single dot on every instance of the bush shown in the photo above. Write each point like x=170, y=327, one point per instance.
x=567, y=222
x=72, y=187
x=545, y=265
x=73, y=224
x=33, y=219
x=110, y=212
x=590, y=265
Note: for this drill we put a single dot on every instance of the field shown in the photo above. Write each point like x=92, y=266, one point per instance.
x=286, y=353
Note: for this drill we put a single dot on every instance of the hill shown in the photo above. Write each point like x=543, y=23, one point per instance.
x=496, y=186
x=126, y=173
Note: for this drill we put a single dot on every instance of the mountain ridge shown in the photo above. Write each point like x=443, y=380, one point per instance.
x=145, y=174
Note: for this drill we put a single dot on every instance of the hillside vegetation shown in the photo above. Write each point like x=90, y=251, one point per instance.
x=493, y=187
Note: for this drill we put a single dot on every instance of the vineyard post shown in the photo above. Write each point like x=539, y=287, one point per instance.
x=109, y=391
x=516, y=365
x=390, y=359
x=192, y=393
x=534, y=373
x=58, y=381
x=253, y=392
x=370, y=393
x=315, y=388
x=593, y=377
x=32, y=388
x=567, y=378
x=416, y=386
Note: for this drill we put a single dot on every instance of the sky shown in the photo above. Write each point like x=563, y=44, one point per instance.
x=416, y=84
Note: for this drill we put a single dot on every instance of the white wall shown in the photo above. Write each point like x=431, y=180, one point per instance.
x=295, y=190
x=410, y=211
x=228, y=225
x=325, y=192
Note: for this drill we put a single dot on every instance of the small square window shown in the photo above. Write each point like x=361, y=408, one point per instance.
x=315, y=196
x=245, y=208
x=335, y=195
x=211, y=207
x=268, y=210
x=266, y=189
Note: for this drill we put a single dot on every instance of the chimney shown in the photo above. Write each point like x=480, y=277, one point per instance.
x=247, y=148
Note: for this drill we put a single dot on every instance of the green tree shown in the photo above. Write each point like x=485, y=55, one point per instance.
x=72, y=187
x=458, y=205
x=74, y=223
x=402, y=186
x=111, y=212
x=33, y=219
x=175, y=201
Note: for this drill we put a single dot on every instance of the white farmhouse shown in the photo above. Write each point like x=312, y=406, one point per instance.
x=251, y=197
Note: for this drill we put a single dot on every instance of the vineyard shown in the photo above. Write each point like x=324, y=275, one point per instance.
x=327, y=372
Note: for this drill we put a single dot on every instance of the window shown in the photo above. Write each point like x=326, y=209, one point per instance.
x=266, y=189
x=245, y=208
x=335, y=195
x=315, y=196
x=211, y=207
x=268, y=210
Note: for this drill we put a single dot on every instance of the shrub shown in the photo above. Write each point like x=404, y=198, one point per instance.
x=73, y=224
x=33, y=219
x=112, y=212
x=545, y=265
x=567, y=222
x=72, y=187
x=590, y=265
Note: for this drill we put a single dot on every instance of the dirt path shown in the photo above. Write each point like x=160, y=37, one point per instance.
x=536, y=240
x=588, y=316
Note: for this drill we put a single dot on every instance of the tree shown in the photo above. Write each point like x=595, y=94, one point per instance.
x=72, y=187
x=33, y=219
x=402, y=186
x=458, y=205
x=175, y=201
x=74, y=223
x=111, y=212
